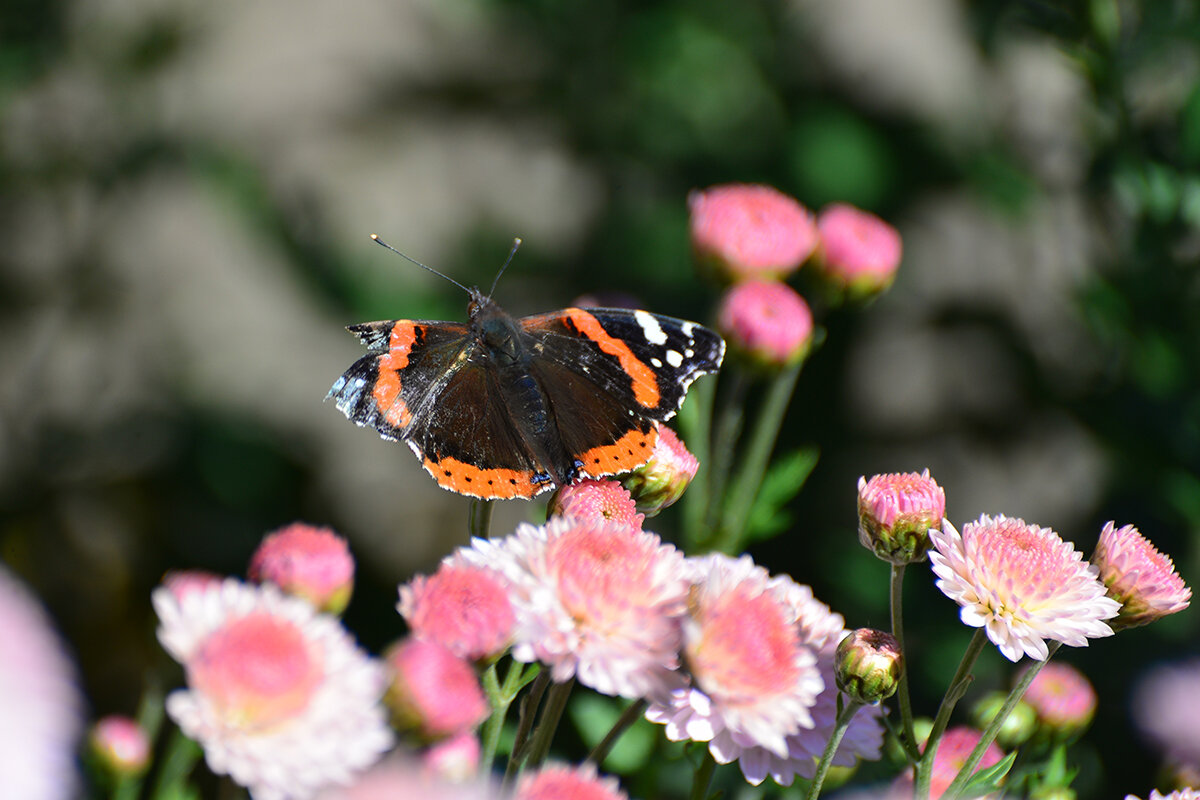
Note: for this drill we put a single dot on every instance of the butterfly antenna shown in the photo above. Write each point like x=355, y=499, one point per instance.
x=422, y=266
x=507, y=261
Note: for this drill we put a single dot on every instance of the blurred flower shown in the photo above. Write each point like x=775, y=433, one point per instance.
x=463, y=607
x=279, y=696
x=399, y=778
x=858, y=252
x=309, y=562
x=1140, y=578
x=560, y=782
x=1022, y=584
x=753, y=679
x=1018, y=727
x=119, y=746
x=868, y=664
x=433, y=691
x=40, y=703
x=182, y=582
x=766, y=324
x=895, y=513
x=662, y=480
x=1166, y=707
x=744, y=231
x=599, y=500
x=595, y=600
x=1063, y=699
x=953, y=750
x=1178, y=794
x=455, y=759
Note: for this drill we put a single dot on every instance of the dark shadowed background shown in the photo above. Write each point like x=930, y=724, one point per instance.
x=187, y=189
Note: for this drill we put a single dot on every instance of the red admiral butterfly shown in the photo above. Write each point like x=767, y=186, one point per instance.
x=503, y=407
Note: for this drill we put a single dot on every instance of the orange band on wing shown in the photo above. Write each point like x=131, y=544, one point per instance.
x=489, y=484
x=626, y=454
x=387, y=386
x=645, y=384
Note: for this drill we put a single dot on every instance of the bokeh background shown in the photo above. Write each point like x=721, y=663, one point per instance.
x=187, y=189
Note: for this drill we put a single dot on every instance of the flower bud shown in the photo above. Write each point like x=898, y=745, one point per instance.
x=767, y=325
x=895, y=513
x=662, y=480
x=1016, y=729
x=1063, y=700
x=119, y=746
x=868, y=665
x=858, y=253
x=309, y=562
x=600, y=500
x=744, y=232
x=433, y=692
x=1137, y=576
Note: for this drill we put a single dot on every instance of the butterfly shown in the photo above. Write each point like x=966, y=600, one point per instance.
x=500, y=407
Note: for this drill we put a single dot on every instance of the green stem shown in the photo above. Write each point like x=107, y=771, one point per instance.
x=703, y=777
x=695, y=424
x=843, y=722
x=744, y=491
x=909, y=740
x=479, y=518
x=177, y=764
x=499, y=698
x=629, y=716
x=556, y=702
x=993, y=728
x=525, y=717
x=958, y=686
x=727, y=428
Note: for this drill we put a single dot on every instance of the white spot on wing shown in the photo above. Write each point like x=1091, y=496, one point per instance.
x=687, y=328
x=656, y=362
x=650, y=327
x=674, y=358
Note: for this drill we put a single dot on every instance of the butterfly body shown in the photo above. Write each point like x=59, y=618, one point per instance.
x=503, y=407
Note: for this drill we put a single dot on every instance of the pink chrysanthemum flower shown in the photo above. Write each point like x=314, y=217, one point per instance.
x=1140, y=578
x=754, y=680
x=1063, y=699
x=40, y=703
x=399, y=778
x=953, y=750
x=309, y=562
x=182, y=582
x=279, y=696
x=119, y=746
x=1022, y=584
x=767, y=324
x=1166, y=707
x=455, y=759
x=858, y=251
x=661, y=481
x=747, y=231
x=560, y=782
x=895, y=513
x=433, y=691
x=597, y=601
x=462, y=606
x=600, y=500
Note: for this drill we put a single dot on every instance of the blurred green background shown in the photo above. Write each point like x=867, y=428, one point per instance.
x=186, y=191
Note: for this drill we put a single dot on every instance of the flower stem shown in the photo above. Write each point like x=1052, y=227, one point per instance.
x=703, y=777
x=958, y=686
x=908, y=741
x=177, y=764
x=499, y=698
x=727, y=428
x=744, y=491
x=479, y=518
x=993, y=728
x=556, y=702
x=528, y=710
x=845, y=714
x=695, y=425
x=629, y=716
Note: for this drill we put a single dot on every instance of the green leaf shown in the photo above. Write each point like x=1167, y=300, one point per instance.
x=783, y=481
x=987, y=781
x=593, y=716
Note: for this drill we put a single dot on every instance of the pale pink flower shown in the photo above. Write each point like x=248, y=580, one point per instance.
x=661, y=481
x=754, y=680
x=858, y=251
x=560, y=782
x=1140, y=578
x=455, y=759
x=598, y=601
x=184, y=581
x=40, y=701
x=750, y=231
x=596, y=499
x=767, y=323
x=119, y=745
x=895, y=513
x=1166, y=707
x=1062, y=697
x=309, y=562
x=953, y=750
x=401, y=778
x=278, y=695
x=433, y=691
x=1022, y=584
x=463, y=606
x=1179, y=794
